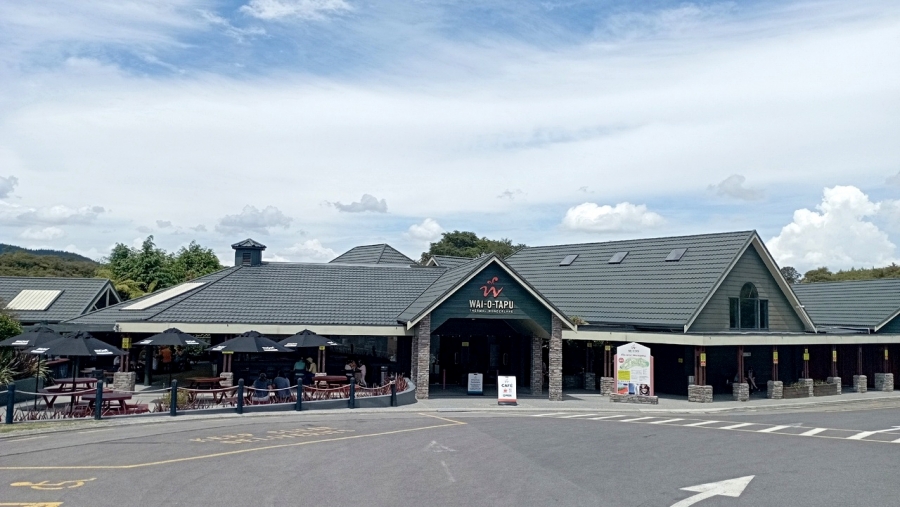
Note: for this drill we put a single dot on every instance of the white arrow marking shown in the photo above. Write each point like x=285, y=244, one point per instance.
x=436, y=447
x=730, y=487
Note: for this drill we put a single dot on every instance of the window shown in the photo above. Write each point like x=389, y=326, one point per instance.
x=568, y=260
x=617, y=258
x=245, y=259
x=676, y=255
x=748, y=311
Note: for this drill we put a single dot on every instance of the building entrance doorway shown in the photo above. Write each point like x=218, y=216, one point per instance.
x=489, y=347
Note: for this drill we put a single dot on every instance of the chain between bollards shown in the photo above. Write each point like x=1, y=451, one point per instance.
x=98, y=400
x=10, y=402
x=240, y=397
x=173, y=399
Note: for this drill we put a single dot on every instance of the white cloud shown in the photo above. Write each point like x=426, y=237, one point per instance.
x=144, y=229
x=302, y=9
x=310, y=250
x=7, y=185
x=894, y=180
x=50, y=215
x=47, y=233
x=733, y=186
x=622, y=217
x=163, y=224
x=252, y=219
x=429, y=230
x=199, y=228
x=368, y=202
x=510, y=194
x=238, y=34
x=839, y=235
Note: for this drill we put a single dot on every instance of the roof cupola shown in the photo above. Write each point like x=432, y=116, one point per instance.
x=248, y=253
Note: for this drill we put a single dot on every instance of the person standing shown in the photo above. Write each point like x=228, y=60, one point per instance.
x=751, y=378
x=165, y=356
x=300, y=371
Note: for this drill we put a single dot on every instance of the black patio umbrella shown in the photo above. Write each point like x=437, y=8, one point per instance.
x=35, y=337
x=171, y=337
x=307, y=338
x=80, y=344
x=250, y=342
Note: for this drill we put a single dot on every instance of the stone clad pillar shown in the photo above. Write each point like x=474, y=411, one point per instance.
x=422, y=359
x=555, y=365
x=537, y=366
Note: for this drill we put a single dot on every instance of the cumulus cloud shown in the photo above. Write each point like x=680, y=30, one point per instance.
x=144, y=229
x=429, y=230
x=7, y=185
x=840, y=234
x=163, y=224
x=510, y=194
x=310, y=250
x=368, y=202
x=622, y=217
x=252, y=219
x=301, y=9
x=45, y=234
x=199, y=228
x=50, y=215
x=733, y=186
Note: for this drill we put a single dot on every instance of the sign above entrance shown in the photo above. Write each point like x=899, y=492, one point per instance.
x=491, y=302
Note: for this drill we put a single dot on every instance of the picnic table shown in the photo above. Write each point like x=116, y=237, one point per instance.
x=108, y=398
x=204, y=382
x=85, y=382
x=329, y=380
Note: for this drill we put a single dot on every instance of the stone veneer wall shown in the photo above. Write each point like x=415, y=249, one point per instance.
x=124, y=380
x=537, y=366
x=227, y=379
x=775, y=389
x=836, y=381
x=740, y=391
x=422, y=359
x=607, y=385
x=700, y=394
x=555, y=365
x=860, y=383
x=884, y=382
x=808, y=383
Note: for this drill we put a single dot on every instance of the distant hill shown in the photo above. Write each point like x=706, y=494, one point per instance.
x=4, y=248
x=18, y=261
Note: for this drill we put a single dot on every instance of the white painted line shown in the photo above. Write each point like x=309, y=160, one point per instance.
x=664, y=421
x=701, y=423
x=773, y=429
x=574, y=416
x=637, y=419
x=861, y=435
x=895, y=441
x=814, y=431
x=27, y=438
x=606, y=417
x=545, y=415
x=735, y=426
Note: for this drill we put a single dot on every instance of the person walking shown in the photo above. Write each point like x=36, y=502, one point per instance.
x=751, y=378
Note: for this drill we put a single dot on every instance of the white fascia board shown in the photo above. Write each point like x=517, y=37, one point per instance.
x=886, y=321
x=699, y=340
x=543, y=301
x=270, y=329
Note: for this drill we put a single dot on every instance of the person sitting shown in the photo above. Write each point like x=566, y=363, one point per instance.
x=261, y=389
x=283, y=387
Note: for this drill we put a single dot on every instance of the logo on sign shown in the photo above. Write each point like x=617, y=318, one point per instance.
x=491, y=304
x=490, y=289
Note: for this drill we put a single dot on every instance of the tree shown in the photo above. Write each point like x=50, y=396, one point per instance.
x=136, y=272
x=790, y=274
x=9, y=326
x=821, y=274
x=468, y=244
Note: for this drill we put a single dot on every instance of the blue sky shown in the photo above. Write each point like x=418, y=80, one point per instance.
x=316, y=125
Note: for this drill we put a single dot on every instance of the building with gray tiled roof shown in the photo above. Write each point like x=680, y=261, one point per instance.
x=34, y=300
x=373, y=254
x=871, y=306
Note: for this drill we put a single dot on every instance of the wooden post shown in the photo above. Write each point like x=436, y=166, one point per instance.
x=775, y=362
x=805, y=362
x=834, y=361
x=859, y=362
x=740, y=363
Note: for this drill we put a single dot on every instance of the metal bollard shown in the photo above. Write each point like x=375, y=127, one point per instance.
x=299, y=405
x=98, y=400
x=10, y=402
x=351, y=402
x=240, y=397
x=384, y=374
x=173, y=399
x=393, y=393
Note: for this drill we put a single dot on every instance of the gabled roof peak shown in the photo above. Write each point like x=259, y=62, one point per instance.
x=381, y=253
x=248, y=243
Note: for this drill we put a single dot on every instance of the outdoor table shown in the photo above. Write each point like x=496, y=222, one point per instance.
x=218, y=393
x=330, y=380
x=108, y=398
x=86, y=382
x=204, y=382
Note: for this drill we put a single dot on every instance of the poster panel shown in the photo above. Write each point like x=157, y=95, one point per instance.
x=476, y=383
x=633, y=370
x=506, y=390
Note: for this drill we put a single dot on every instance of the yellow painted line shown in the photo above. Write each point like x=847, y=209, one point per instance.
x=442, y=418
x=31, y=504
x=238, y=451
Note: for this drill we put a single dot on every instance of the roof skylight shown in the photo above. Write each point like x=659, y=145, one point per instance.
x=165, y=295
x=617, y=258
x=30, y=299
x=568, y=260
x=676, y=255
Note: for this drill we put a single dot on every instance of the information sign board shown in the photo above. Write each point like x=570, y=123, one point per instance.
x=634, y=370
x=506, y=390
x=476, y=383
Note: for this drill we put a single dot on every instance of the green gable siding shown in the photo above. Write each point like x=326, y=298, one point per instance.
x=525, y=306
x=749, y=268
x=892, y=327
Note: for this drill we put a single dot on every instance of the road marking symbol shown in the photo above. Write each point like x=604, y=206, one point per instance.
x=53, y=486
x=814, y=431
x=736, y=426
x=447, y=469
x=773, y=429
x=436, y=447
x=731, y=487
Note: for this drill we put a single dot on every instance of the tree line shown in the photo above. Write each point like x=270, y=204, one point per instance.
x=823, y=274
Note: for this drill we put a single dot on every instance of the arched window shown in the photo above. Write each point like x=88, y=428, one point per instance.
x=748, y=311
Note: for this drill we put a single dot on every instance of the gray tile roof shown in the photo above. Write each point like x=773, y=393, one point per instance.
x=373, y=254
x=863, y=303
x=75, y=299
x=447, y=280
x=249, y=243
x=642, y=290
x=288, y=293
x=448, y=261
